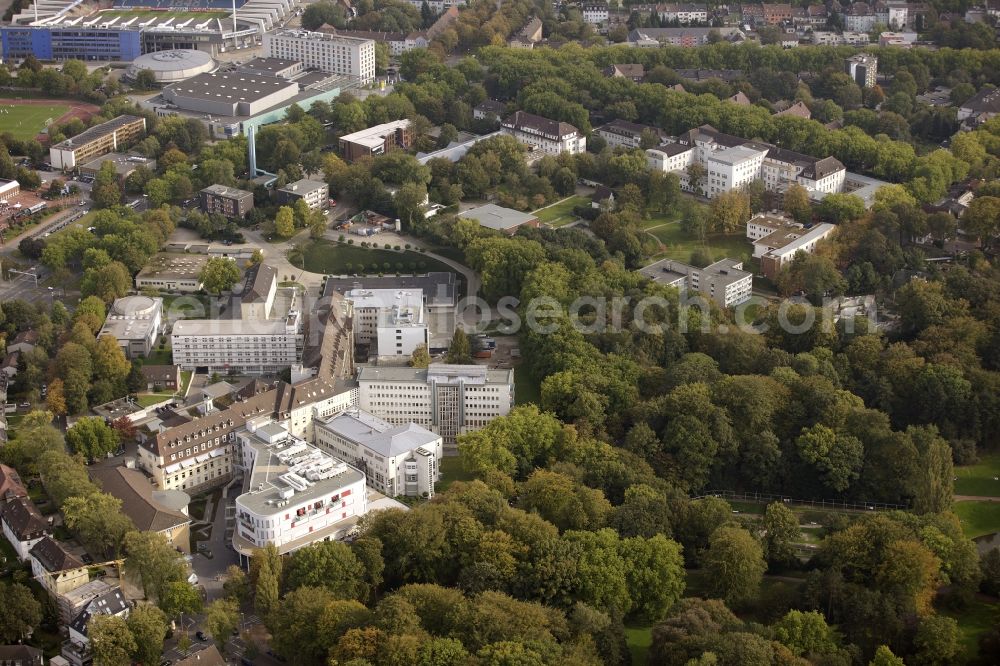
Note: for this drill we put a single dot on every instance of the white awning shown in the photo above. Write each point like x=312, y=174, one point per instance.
x=171, y=469
x=203, y=457
x=190, y=462
x=215, y=453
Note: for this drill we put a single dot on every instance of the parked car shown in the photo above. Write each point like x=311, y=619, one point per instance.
x=201, y=636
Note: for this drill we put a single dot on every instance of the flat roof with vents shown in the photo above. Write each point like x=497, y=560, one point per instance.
x=231, y=87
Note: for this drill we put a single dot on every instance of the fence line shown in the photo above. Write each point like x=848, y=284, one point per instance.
x=815, y=503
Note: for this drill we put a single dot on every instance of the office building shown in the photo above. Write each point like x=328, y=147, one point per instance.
x=729, y=162
x=396, y=460
x=377, y=140
x=315, y=193
x=294, y=493
x=390, y=319
x=785, y=240
x=337, y=54
x=549, y=136
x=195, y=452
x=228, y=201
x=863, y=68
x=99, y=140
x=172, y=271
x=251, y=347
x=625, y=134
x=135, y=322
x=447, y=399
x=725, y=281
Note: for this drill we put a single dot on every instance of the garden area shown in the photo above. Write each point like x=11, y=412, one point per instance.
x=560, y=213
x=678, y=246
x=333, y=258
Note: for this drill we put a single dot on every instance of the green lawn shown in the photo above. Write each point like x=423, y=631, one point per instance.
x=185, y=381
x=323, y=256
x=25, y=121
x=639, y=640
x=452, y=471
x=679, y=247
x=561, y=213
x=159, y=357
x=526, y=388
x=148, y=399
x=978, y=518
x=981, y=478
x=979, y=616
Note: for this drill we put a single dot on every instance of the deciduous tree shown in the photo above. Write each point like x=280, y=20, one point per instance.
x=734, y=564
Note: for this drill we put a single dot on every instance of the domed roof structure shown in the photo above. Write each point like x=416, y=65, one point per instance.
x=173, y=65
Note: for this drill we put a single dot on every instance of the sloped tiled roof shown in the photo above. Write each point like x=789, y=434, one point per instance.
x=23, y=518
x=10, y=483
x=138, y=503
x=53, y=557
x=111, y=603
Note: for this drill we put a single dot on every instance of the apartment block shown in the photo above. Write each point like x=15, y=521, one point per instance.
x=447, y=399
x=229, y=201
x=294, y=493
x=315, y=193
x=595, y=13
x=725, y=281
x=337, y=54
x=549, y=136
x=682, y=13
x=863, y=69
x=96, y=141
x=396, y=460
x=376, y=140
x=729, y=162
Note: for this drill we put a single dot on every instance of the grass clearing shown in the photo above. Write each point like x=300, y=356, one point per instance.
x=978, y=518
x=981, y=478
x=323, y=256
x=560, y=213
x=975, y=619
x=639, y=640
x=149, y=399
x=25, y=121
x=679, y=247
x=452, y=471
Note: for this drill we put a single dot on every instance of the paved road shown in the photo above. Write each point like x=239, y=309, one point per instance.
x=211, y=571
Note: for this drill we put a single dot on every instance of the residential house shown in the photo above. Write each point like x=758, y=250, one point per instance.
x=980, y=107
x=10, y=484
x=682, y=13
x=161, y=378
x=77, y=649
x=20, y=655
x=489, y=110
x=634, y=71
x=23, y=524
x=9, y=366
x=24, y=341
x=796, y=110
x=57, y=570
x=595, y=13
x=603, y=198
x=149, y=509
x=777, y=13
x=860, y=17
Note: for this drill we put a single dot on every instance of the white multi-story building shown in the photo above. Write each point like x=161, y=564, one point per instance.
x=337, y=54
x=447, y=399
x=438, y=6
x=730, y=163
x=725, y=281
x=135, y=322
x=595, y=13
x=396, y=460
x=625, y=134
x=550, y=136
x=683, y=13
x=251, y=347
x=198, y=454
x=393, y=319
x=863, y=68
x=294, y=493
x=777, y=241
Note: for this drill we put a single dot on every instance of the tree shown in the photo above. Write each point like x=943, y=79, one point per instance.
x=730, y=211
x=222, y=617
x=265, y=575
x=839, y=208
x=21, y=612
x=284, y=222
x=180, y=597
x=111, y=641
x=805, y=633
x=148, y=626
x=885, y=657
x=98, y=520
x=109, y=361
x=219, y=275
x=107, y=282
x=836, y=458
x=654, y=570
x=796, y=203
x=92, y=437
x=911, y=571
x=55, y=400
x=152, y=561
x=780, y=529
x=237, y=585
x=420, y=358
x=936, y=641
x=459, y=351
x=735, y=564
x=562, y=501
x=329, y=564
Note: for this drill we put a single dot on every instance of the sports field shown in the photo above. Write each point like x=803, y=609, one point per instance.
x=144, y=15
x=25, y=121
